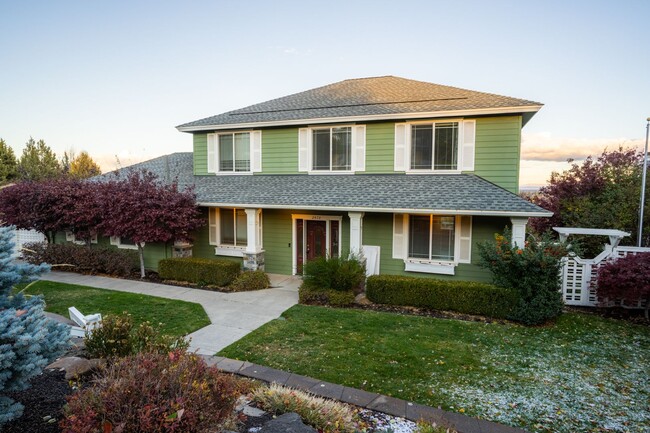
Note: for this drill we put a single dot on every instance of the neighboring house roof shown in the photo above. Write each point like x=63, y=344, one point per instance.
x=373, y=98
x=440, y=193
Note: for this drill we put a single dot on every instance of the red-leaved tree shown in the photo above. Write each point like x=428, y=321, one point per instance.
x=28, y=206
x=141, y=208
x=50, y=206
x=601, y=192
x=625, y=281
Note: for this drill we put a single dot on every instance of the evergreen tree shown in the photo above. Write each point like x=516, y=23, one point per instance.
x=28, y=339
x=38, y=162
x=8, y=163
x=82, y=166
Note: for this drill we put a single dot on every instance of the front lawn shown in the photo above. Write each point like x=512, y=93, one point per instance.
x=177, y=317
x=584, y=373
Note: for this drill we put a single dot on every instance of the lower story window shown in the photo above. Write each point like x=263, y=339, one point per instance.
x=431, y=237
x=232, y=227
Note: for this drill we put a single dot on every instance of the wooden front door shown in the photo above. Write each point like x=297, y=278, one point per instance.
x=316, y=245
x=311, y=237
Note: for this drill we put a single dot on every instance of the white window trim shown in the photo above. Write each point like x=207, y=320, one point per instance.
x=443, y=267
x=252, y=152
x=311, y=150
x=70, y=237
x=409, y=139
x=230, y=250
x=117, y=241
x=354, y=145
x=294, y=235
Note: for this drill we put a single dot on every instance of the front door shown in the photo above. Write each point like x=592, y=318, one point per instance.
x=316, y=245
x=311, y=237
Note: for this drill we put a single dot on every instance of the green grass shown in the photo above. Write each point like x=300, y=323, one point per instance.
x=583, y=373
x=177, y=317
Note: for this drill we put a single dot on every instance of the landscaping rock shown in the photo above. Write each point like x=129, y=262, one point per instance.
x=362, y=299
x=72, y=365
x=287, y=423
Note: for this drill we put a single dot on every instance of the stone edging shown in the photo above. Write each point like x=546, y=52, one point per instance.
x=369, y=400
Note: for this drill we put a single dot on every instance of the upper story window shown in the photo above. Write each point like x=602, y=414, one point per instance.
x=434, y=146
x=332, y=149
x=444, y=146
x=234, y=152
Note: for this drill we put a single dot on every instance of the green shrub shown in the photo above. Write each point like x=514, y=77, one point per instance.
x=117, y=336
x=148, y=392
x=250, y=280
x=461, y=296
x=335, y=298
x=533, y=271
x=335, y=273
x=205, y=272
x=325, y=415
x=89, y=260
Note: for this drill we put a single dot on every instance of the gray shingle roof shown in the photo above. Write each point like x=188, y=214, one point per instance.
x=361, y=97
x=462, y=193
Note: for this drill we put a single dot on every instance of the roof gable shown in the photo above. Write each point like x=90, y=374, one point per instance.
x=387, y=96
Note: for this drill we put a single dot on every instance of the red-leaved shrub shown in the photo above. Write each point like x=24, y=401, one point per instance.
x=83, y=259
x=625, y=282
x=175, y=392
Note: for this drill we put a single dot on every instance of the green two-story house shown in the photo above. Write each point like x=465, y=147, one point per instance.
x=409, y=174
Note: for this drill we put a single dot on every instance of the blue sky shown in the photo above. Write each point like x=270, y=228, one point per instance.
x=115, y=78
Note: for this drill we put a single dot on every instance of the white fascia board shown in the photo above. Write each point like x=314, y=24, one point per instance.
x=365, y=118
x=380, y=209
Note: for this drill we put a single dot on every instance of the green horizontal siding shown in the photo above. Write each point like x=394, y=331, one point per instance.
x=278, y=237
x=200, y=153
x=498, y=149
x=380, y=143
x=280, y=151
x=378, y=230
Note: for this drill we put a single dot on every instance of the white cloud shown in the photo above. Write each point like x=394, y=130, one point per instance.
x=545, y=147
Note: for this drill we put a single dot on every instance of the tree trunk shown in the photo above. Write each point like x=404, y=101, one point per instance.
x=141, y=254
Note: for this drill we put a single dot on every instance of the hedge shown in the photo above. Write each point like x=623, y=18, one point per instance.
x=84, y=259
x=204, y=272
x=461, y=296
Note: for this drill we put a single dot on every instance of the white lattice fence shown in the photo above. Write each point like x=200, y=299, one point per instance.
x=26, y=236
x=578, y=273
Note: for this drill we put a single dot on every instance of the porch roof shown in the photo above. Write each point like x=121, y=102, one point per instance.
x=440, y=193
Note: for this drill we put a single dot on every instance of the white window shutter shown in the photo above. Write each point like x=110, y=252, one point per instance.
x=304, y=144
x=399, y=236
x=401, y=145
x=359, y=148
x=115, y=240
x=256, y=151
x=69, y=236
x=468, y=145
x=213, y=220
x=465, y=245
x=93, y=239
x=212, y=153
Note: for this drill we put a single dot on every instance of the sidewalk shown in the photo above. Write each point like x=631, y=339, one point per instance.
x=233, y=315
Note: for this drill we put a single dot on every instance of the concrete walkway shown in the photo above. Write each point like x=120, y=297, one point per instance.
x=233, y=315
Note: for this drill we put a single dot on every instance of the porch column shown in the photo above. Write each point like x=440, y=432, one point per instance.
x=519, y=231
x=356, y=231
x=253, y=256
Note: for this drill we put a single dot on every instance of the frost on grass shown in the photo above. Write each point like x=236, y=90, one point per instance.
x=589, y=385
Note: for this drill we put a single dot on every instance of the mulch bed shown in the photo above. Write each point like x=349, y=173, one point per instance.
x=44, y=398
